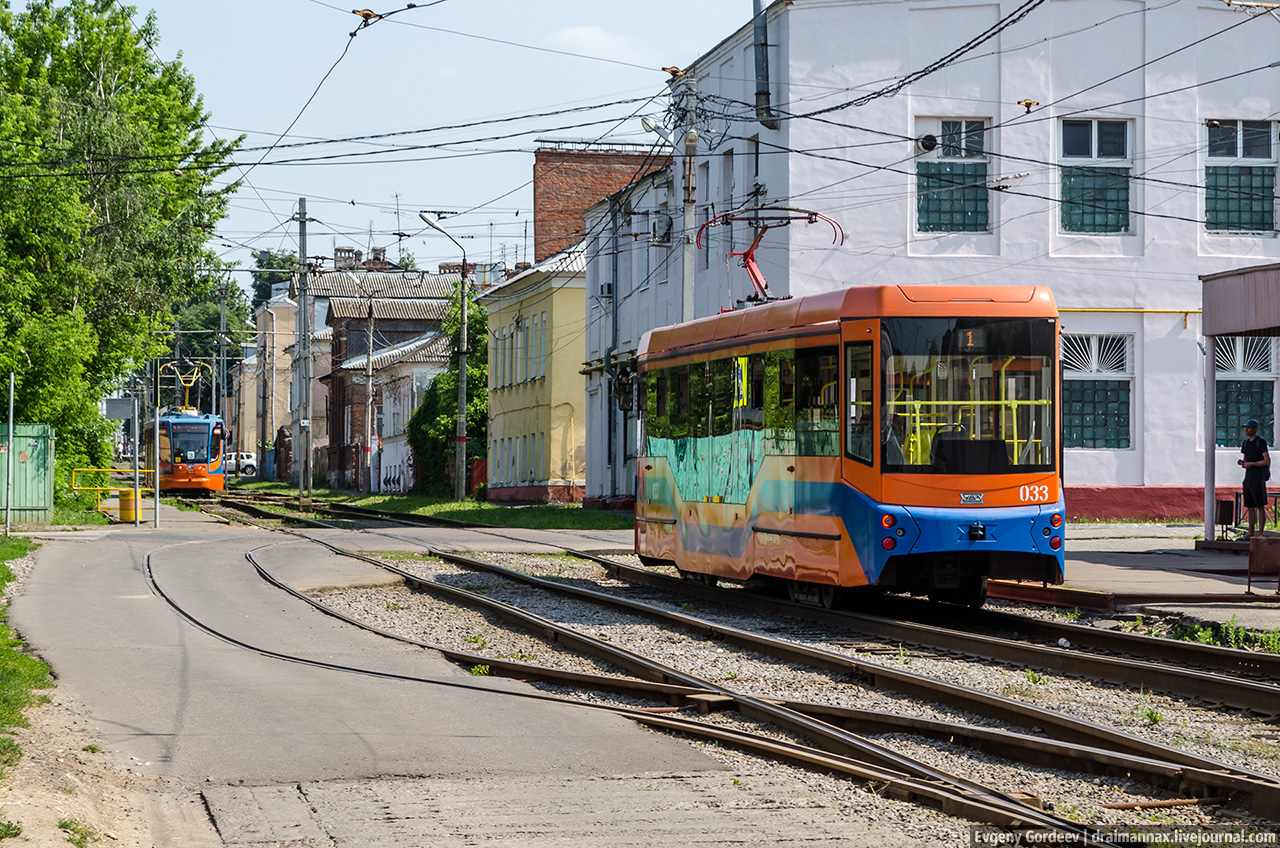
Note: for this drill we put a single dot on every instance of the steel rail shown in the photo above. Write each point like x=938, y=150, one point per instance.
x=895, y=785
x=949, y=792
x=1080, y=637
x=1264, y=790
x=1208, y=686
x=1033, y=750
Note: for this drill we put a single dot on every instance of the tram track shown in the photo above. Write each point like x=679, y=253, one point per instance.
x=890, y=774
x=1176, y=767
x=1089, y=653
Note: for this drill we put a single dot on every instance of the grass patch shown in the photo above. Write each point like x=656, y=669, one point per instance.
x=78, y=834
x=8, y=829
x=533, y=517
x=274, y=488
x=20, y=673
x=1228, y=635
x=75, y=515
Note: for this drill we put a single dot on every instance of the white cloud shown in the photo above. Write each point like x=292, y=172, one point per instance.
x=594, y=41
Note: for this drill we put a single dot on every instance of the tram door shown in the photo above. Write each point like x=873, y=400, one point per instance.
x=861, y=412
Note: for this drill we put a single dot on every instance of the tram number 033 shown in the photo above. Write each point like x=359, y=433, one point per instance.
x=1033, y=494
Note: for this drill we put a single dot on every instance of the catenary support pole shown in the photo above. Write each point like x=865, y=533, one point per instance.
x=367, y=488
x=689, y=226
x=155, y=474
x=8, y=466
x=304, y=346
x=1210, y=437
x=133, y=448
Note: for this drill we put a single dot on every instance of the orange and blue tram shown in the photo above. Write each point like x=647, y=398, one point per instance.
x=191, y=459
x=902, y=438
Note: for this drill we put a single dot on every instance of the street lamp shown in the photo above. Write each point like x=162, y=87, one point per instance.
x=460, y=458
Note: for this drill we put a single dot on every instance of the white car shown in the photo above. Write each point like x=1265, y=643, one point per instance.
x=242, y=462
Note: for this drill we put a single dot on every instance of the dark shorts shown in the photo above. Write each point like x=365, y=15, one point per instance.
x=1255, y=491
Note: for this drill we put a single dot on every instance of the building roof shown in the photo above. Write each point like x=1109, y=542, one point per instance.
x=567, y=263
x=432, y=347
x=394, y=309
x=325, y=335
x=385, y=284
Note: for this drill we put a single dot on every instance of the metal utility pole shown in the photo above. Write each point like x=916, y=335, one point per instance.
x=689, y=102
x=8, y=466
x=304, y=352
x=133, y=449
x=218, y=406
x=155, y=474
x=368, y=405
x=460, y=454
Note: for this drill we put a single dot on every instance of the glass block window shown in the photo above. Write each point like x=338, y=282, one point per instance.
x=1239, y=400
x=951, y=197
x=1096, y=160
x=952, y=194
x=1245, y=388
x=1095, y=414
x=1095, y=200
x=1240, y=177
x=1240, y=199
x=1097, y=387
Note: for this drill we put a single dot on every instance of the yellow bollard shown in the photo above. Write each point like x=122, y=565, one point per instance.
x=128, y=508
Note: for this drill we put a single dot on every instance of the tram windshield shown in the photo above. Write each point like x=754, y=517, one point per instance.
x=968, y=395
x=190, y=442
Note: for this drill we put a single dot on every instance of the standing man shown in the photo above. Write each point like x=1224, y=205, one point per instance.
x=1256, y=464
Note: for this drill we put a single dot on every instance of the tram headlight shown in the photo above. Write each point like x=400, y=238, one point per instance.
x=1055, y=542
x=888, y=543
x=887, y=521
x=1056, y=520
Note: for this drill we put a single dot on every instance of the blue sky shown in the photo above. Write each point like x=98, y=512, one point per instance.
x=454, y=62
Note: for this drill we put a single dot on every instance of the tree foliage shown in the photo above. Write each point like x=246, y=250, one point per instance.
x=434, y=425
x=274, y=268
x=106, y=202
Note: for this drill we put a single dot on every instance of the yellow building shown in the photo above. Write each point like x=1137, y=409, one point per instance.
x=537, y=418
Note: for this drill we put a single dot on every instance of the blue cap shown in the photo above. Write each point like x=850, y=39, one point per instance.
x=1252, y=422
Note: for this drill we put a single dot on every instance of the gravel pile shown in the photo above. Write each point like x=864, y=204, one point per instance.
x=1225, y=735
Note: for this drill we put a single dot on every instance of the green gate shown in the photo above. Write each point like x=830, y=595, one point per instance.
x=32, y=456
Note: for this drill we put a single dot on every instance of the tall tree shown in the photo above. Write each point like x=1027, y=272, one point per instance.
x=274, y=268
x=433, y=427
x=106, y=202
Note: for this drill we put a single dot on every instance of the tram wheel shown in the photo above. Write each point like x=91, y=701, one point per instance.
x=822, y=595
x=700, y=579
x=972, y=594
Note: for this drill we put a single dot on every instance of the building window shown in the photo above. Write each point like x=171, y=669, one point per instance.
x=542, y=357
x=1240, y=177
x=951, y=177
x=1097, y=386
x=1096, y=164
x=1245, y=388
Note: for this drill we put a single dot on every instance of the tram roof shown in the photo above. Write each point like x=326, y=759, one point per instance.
x=785, y=316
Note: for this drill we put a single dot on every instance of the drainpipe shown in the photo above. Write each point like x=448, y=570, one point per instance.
x=761, y=40
x=609, y=373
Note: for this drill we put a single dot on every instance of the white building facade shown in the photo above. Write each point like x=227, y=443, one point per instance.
x=1113, y=150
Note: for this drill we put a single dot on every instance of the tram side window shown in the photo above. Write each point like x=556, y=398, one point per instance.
x=817, y=402
x=779, y=403
x=721, y=397
x=699, y=401
x=679, y=401
x=656, y=406
x=749, y=393
x=859, y=443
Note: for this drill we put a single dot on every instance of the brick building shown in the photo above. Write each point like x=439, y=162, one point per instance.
x=570, y=176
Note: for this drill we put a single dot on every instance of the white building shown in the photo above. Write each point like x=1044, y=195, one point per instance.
x=1112, y=150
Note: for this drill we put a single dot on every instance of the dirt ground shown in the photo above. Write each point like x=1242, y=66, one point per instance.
x=58, y=780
